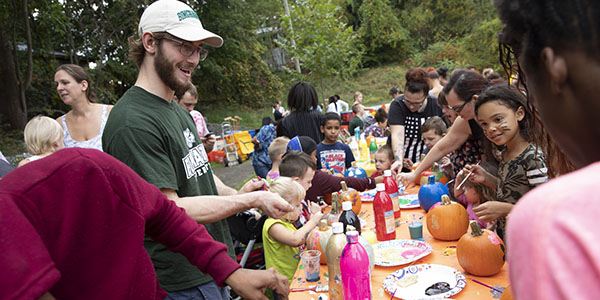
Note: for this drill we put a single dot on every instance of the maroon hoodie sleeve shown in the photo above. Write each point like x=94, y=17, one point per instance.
x=324, y=183
x=169, y=225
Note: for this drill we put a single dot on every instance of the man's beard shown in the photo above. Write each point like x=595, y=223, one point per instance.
x=166, y=72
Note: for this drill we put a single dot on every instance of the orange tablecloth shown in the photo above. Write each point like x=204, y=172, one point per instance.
x=472, y=290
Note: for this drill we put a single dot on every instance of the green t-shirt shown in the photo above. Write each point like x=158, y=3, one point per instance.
x=159, y=141
x=282, y=257
x=355, y=122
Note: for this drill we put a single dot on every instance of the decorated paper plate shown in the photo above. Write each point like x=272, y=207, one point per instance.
x=368, y=195
x=426, y=281
x=400, y=252
x=409, y=201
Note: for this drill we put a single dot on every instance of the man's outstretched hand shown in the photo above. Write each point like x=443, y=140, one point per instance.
x=251, y=284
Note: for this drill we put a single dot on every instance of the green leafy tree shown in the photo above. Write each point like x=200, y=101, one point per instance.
x=235, y=73
x=325, y=46
x=381, y=32
x=480, y=47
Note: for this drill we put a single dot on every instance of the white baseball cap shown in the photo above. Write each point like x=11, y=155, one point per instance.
x=178, y=19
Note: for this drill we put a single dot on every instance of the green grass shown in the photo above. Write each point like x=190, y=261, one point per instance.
x=374, y=83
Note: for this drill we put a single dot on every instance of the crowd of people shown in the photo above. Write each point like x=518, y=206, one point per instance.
x=127, y=210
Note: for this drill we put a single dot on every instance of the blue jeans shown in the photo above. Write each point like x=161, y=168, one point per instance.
x=207, y=291
x=261, y=169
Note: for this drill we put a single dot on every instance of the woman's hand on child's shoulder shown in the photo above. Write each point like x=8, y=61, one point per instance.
x=492, y=210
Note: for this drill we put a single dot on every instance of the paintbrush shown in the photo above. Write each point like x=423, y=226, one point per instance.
x=466, y=177
x=493, y=288
x=316, y=288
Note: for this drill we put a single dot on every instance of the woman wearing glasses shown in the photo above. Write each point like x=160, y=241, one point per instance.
x=407, y=113
x=84, y=123
x=460, y=92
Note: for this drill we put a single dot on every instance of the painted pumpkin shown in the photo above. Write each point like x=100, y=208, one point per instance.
x=448, y=221
x=431, y=193
x=480, y=252
x=317, y=239
x=350, y=194
x=356, y=171
x=424, y=177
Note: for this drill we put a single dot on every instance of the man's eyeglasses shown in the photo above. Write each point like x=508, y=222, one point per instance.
x=187, y=49
x=414, y=104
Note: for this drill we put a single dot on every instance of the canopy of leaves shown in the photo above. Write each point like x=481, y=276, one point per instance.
x=324, y=45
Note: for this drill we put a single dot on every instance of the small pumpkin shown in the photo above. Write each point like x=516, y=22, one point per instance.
x=317, y=239
x=480, y=252
x=424, y=177
x=431, y=193
x=356, y=171
x=448, y=221
x=350, y=194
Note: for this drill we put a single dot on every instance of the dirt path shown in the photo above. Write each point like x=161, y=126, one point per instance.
x=235, y=175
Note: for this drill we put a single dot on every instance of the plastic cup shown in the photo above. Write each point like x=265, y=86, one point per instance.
x=311, y=260
x=416, y=230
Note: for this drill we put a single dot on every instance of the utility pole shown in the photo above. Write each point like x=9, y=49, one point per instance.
x=287, y=13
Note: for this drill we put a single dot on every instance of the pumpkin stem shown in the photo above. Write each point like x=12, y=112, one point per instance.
x=475, y=229
x=354, y=164
x=335, y=202
x=323, y=225
x=445, y=200
x=344, y=186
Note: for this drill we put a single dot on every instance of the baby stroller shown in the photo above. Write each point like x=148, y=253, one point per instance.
x=247, y=230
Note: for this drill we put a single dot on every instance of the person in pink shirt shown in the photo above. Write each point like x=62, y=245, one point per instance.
x=72, y=227
x=188, y=101
x=553, y=230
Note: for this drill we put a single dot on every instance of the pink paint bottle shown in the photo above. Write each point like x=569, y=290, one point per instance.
x=354, y=266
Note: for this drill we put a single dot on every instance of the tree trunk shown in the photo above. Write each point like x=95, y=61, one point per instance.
x=11, y=107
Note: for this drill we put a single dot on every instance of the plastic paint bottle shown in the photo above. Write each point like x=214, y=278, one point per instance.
x=354, y=266
x=385, y=228
x=334, y=249
x=392, y=189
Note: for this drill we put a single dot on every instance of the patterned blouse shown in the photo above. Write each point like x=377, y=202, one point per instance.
x=517, y=177
x=265, y=136
x=374, y=130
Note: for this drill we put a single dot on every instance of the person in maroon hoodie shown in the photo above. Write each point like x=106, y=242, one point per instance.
x=72, y=227
x=323, y=182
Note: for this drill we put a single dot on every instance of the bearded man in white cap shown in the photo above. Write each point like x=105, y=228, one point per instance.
x=153, y=135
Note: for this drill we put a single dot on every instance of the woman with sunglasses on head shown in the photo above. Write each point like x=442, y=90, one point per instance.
x=460, y=92
x=407, y=113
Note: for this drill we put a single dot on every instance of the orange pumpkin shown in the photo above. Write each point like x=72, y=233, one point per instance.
x=480, y=252
x=350, y=194
x=448, y=221
x=317, y=239
x=507, y=294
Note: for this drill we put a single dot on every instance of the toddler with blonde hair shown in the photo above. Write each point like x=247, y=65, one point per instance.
x=281, y=239
x=43, y=136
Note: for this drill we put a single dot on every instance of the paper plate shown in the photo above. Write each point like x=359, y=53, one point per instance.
x=400, y=252
x=409, y=201
x=411, y=282
x=368, y=196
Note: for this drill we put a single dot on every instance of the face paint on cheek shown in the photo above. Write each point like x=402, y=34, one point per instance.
x=504, y=126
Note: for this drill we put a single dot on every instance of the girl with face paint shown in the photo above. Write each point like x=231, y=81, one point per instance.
x=502, y=114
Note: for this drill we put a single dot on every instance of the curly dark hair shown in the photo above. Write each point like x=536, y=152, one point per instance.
x=531, y=25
